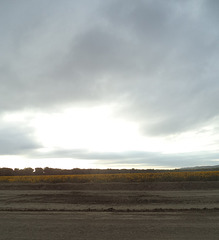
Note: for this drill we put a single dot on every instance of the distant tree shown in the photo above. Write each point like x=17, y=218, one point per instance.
x=16, y=171
x=26, y=172
x=6, y=172
x=38, y=171
x=48, y=171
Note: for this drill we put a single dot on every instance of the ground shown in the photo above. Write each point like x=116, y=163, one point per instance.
x=188, y=210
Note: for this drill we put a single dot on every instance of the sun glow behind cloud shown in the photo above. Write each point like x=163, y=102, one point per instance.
x=88, y=135
x=98, y=129
x=94, y=129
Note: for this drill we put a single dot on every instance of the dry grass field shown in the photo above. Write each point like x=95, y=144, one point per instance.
x=120, y=177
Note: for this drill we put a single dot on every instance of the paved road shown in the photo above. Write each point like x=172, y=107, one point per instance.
x=109, y=225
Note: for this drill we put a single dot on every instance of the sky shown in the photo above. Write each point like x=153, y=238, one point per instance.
x=109, y=84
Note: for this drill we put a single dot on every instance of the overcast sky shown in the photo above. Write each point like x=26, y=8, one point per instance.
x=109, y=84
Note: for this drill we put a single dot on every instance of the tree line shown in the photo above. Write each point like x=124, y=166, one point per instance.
x=57, y=171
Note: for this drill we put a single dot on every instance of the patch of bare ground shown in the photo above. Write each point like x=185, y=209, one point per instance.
x=170, y=210
x=196, y=225
x=132, y=186
x=156, y=196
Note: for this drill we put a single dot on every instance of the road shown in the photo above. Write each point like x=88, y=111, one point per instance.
x=202, y=224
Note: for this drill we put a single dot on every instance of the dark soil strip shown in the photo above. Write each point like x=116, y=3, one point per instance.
x=111, y=210
x=151, y=186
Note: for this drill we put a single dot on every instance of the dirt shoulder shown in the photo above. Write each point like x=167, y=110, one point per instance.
x=131, y=186
x=110, y=197
x=109, y=225
x=185, y=210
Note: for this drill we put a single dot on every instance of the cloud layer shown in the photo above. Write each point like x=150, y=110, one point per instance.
x=16, y=140
x=156, y=60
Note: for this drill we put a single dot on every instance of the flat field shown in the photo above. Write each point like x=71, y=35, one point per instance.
x=155, y=210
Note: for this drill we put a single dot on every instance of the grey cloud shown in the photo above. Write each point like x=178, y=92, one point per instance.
x=211, y=9
x=15, y=140
x=158, y=59
x=145, y=19
x=85, y=154
x=137, y=158
x=181, y=92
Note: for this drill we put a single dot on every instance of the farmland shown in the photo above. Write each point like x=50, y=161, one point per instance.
x=175, y=205
x=121, y=177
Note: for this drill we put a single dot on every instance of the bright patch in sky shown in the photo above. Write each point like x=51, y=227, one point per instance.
x=94, y=129
x=97, y=129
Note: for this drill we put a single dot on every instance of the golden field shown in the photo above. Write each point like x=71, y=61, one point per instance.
x=121, y=177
